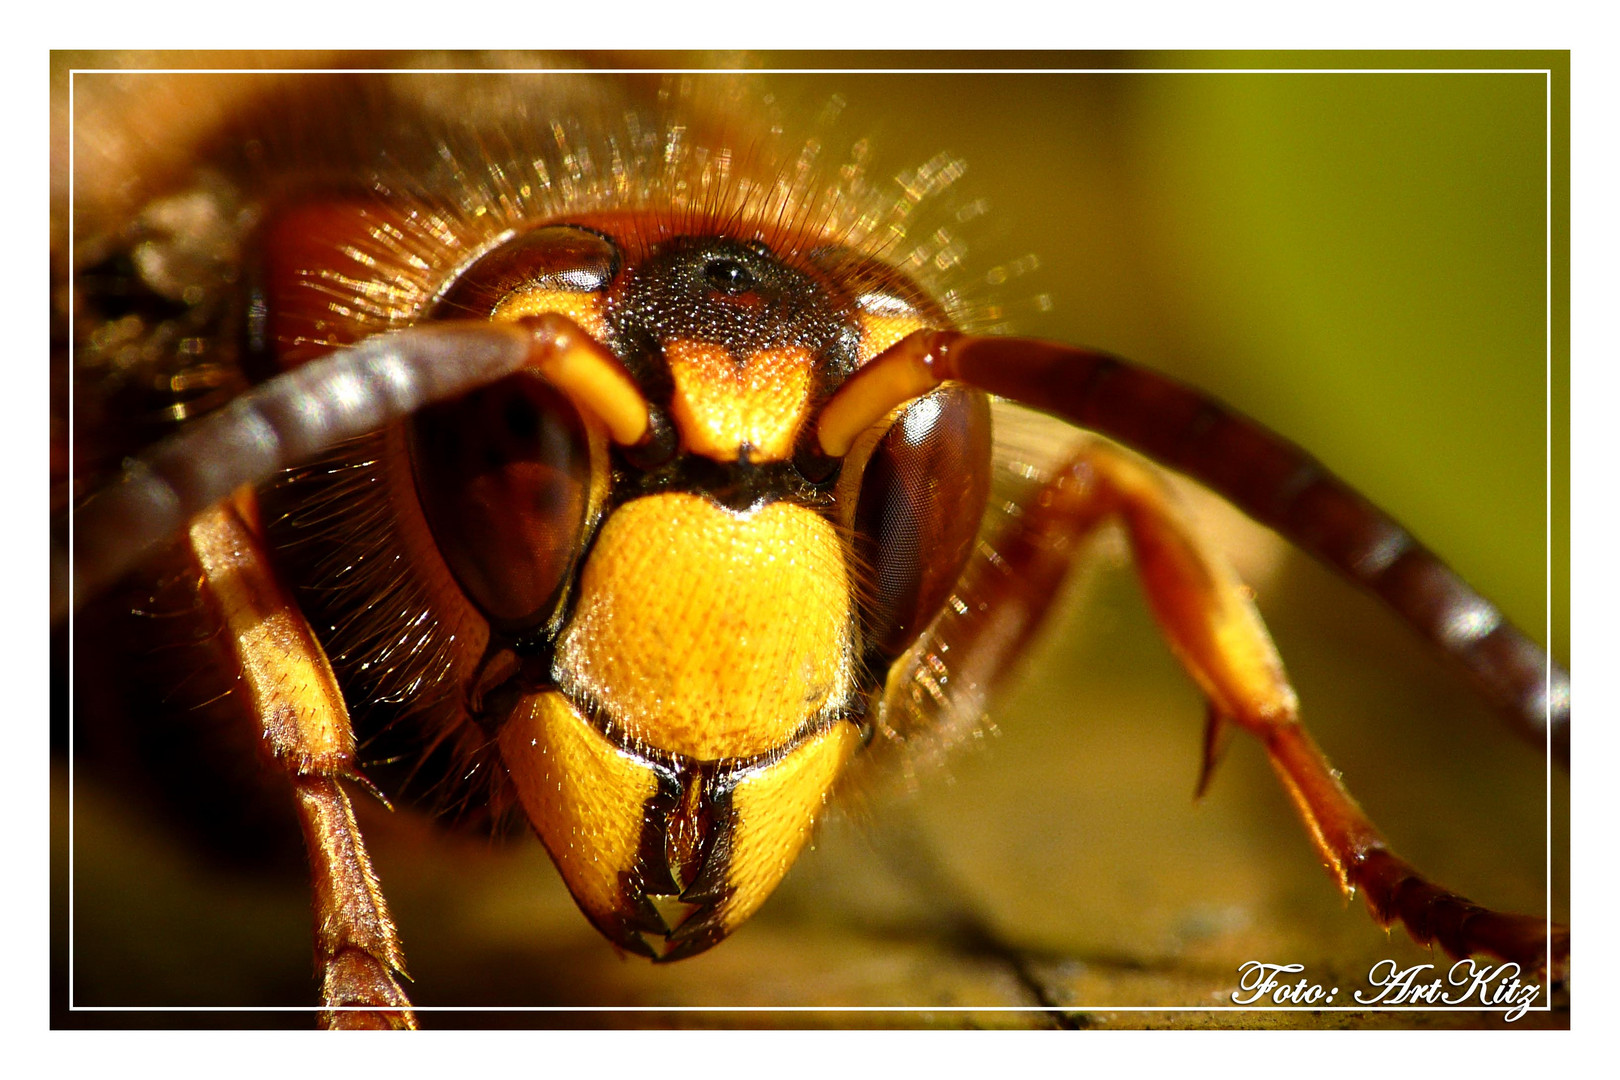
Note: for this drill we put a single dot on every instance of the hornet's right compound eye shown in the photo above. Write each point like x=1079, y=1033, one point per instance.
x=504, y=474
x=504, y=477
x=526, y=275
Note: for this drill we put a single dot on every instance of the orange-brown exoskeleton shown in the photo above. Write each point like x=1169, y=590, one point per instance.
x=638, y=461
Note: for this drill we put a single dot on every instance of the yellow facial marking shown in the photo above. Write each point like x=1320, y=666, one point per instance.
x=707, y=632
x=582, y=307
x=584, y=796
x=720, y=405
x=776, y=809
x=878, y=332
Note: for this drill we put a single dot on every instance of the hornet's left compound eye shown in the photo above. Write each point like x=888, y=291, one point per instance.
x=924, y=485
x=923, y=494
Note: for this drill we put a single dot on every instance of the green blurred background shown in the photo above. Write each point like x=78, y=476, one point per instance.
x=1360, y=260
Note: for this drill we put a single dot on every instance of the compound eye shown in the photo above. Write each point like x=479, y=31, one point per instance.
x=551, y=259
x=503, y=476
x=876, y=289
x=923, y=494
